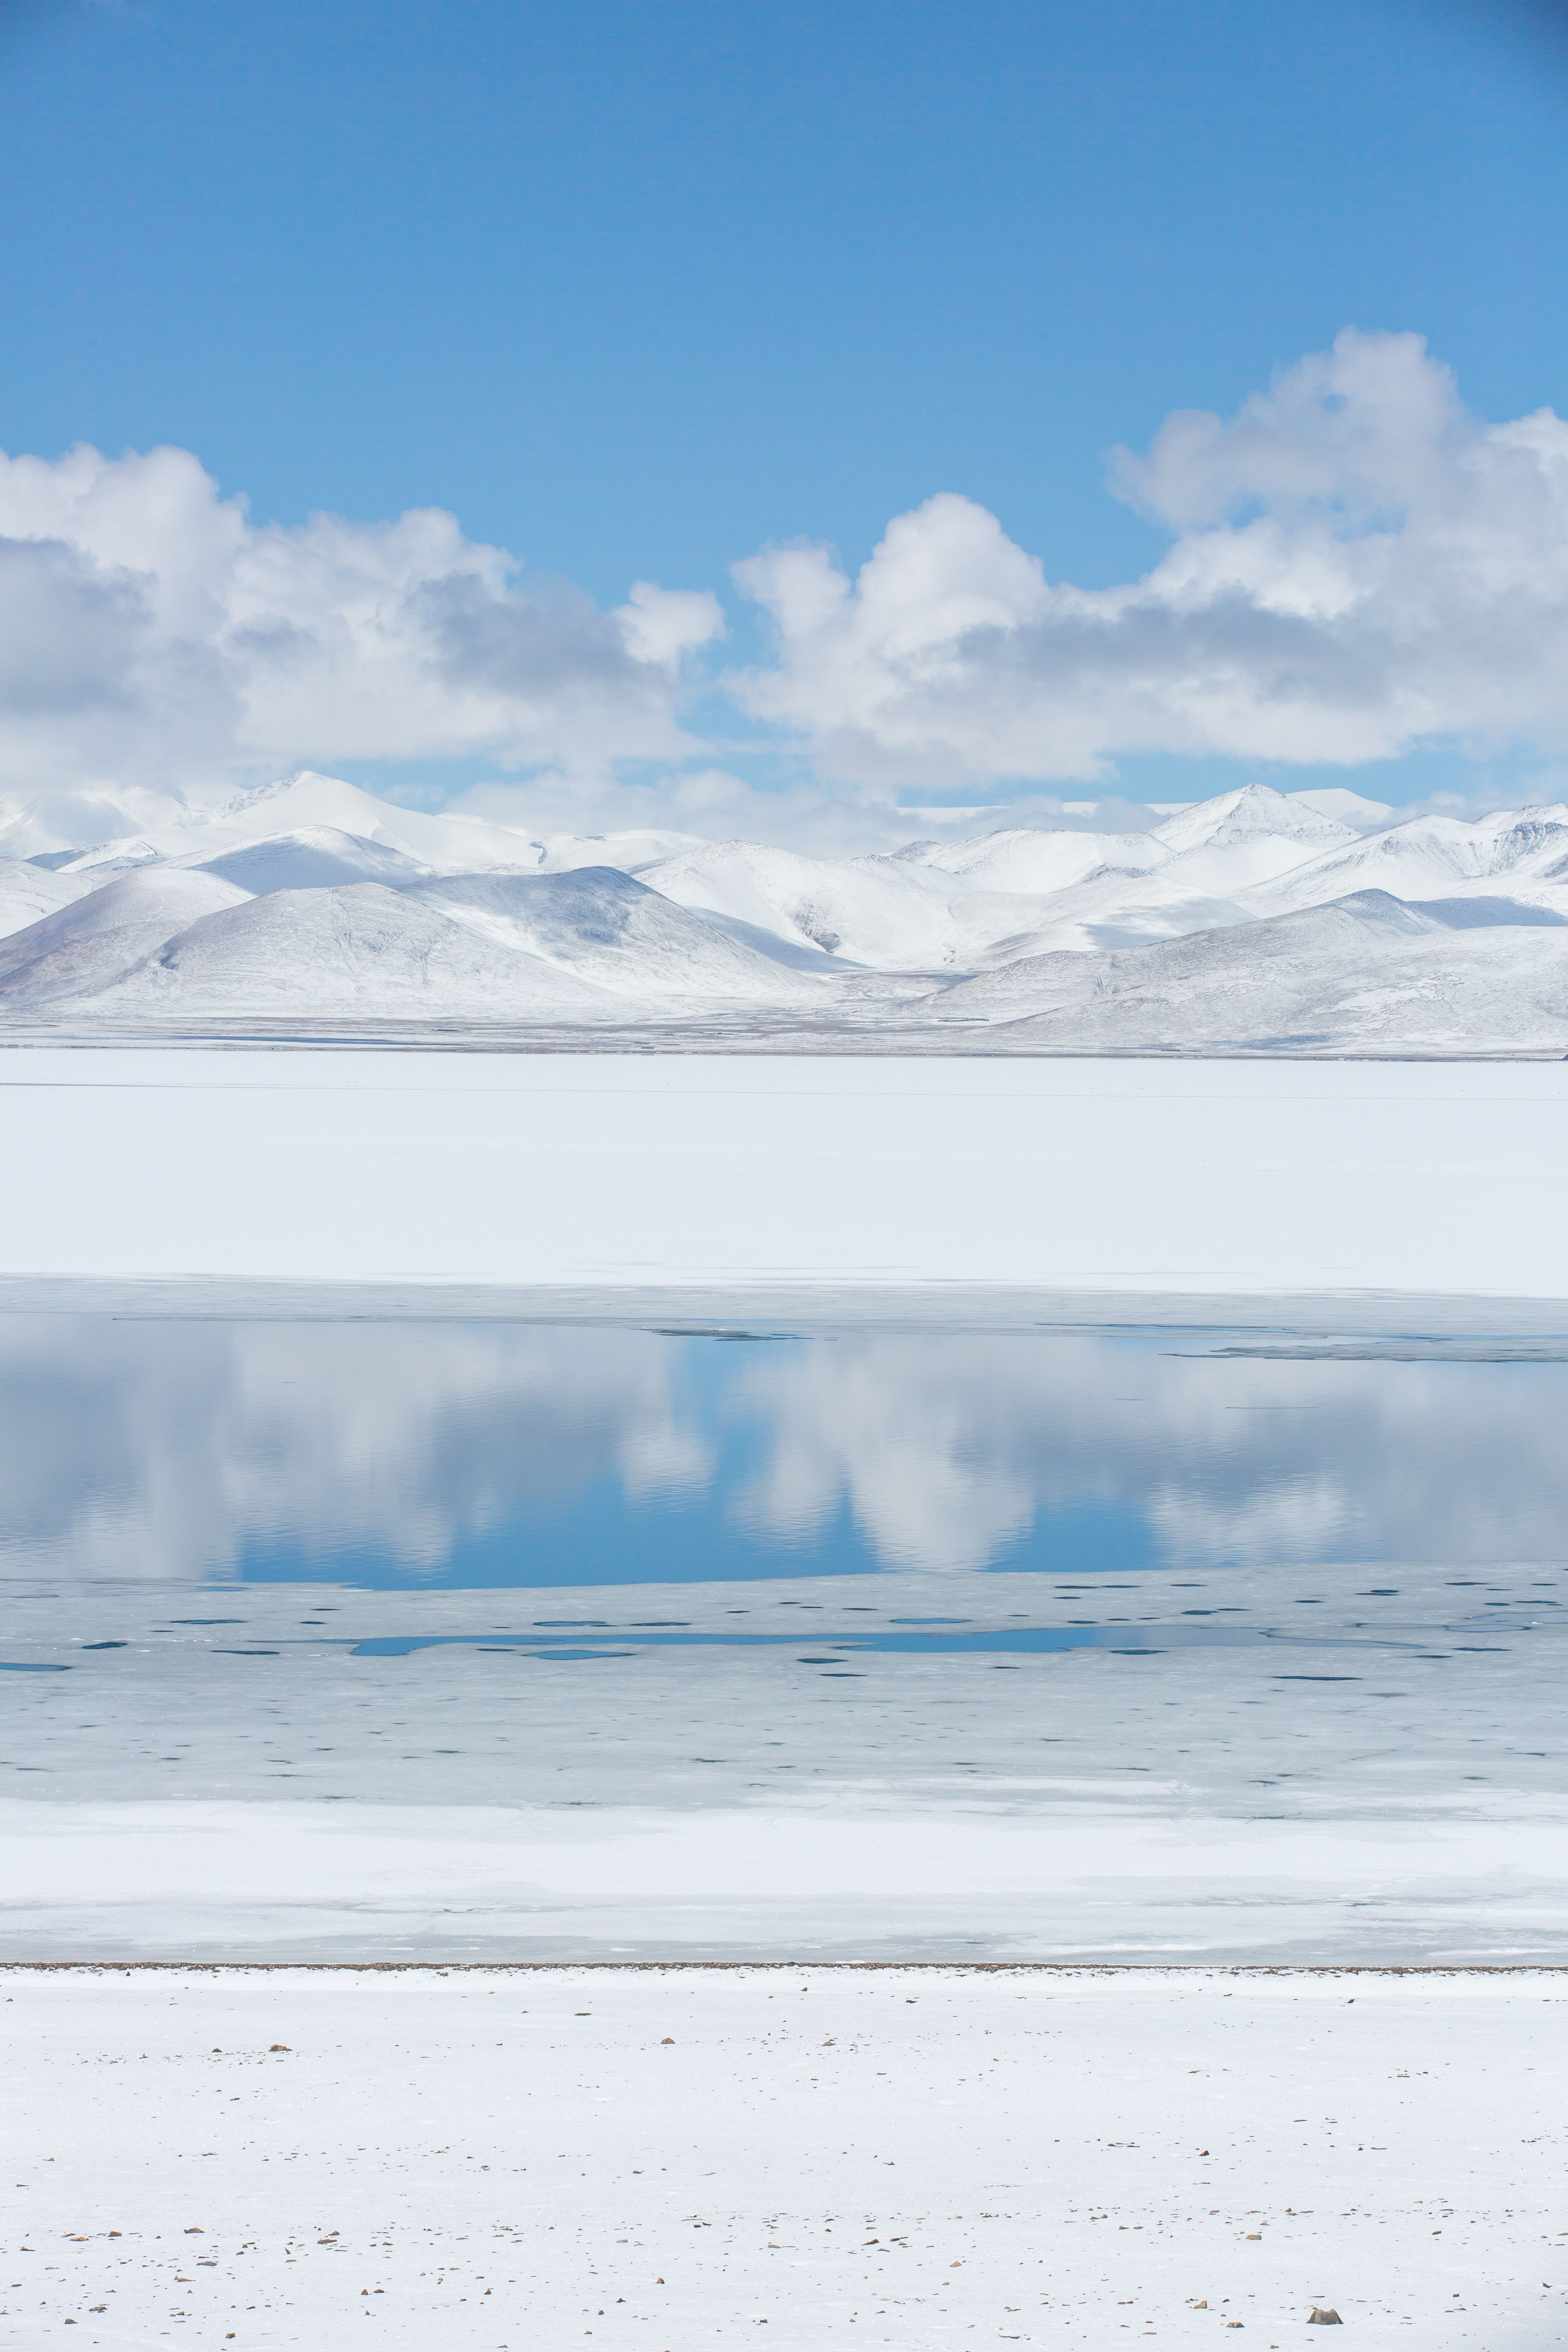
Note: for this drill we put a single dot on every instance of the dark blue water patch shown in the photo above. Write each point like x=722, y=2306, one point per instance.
x=511, y=1650
x=1127, y=1641
x=29, y=1666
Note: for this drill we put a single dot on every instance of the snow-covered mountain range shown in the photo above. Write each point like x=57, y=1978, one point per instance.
x=1255, y=921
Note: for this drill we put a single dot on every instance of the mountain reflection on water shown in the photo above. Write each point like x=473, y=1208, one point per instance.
x=443, y=1455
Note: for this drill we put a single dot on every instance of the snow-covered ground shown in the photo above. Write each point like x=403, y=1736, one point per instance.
x=701, y=1186
x=1258, y=920
x=495, y=2160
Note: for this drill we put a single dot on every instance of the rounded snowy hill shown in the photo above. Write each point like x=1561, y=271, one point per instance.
x=28, y=893
x=1193, y=874
x=610, y=928
x=474, y=949
x=1035, y=862
x=936, y=907
x=883, y=914
x=1430, y=858
x=313, y=857
x=364, y=953
x=1366, y=973
x=88, y=946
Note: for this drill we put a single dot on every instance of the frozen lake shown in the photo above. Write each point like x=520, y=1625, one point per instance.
x=1359, y=1197
x=385, y=1639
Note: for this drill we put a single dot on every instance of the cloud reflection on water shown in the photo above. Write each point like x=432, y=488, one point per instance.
x=163, y=1448
x=171, y=1448
x=949, y=1451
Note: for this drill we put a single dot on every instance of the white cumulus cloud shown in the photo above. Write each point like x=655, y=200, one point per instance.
x=1356, y=565
x=151, y=634
x=1359, y=564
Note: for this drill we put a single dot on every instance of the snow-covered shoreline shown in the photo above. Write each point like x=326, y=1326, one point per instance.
x=850, y=1873
x=492, y=2158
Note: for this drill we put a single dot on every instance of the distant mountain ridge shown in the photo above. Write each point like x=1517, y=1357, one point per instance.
x=1254, y=921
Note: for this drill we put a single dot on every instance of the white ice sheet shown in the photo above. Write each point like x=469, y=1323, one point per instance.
x=577, y=1177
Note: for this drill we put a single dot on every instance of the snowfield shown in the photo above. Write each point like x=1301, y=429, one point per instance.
x=1259, y=921
x=685, y=1186
x=492, y=2160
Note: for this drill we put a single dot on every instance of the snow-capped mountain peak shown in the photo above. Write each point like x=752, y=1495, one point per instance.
x=1255, y=811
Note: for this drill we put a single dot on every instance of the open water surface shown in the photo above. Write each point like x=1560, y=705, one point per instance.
x=434, y=1457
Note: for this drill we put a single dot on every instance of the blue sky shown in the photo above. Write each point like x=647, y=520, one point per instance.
x=632, y=291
